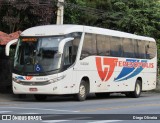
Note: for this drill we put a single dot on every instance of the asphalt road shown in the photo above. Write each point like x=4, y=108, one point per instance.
x=117, y=108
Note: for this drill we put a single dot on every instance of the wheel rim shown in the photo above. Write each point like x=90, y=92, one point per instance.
x=82, y=91
x=138, y=89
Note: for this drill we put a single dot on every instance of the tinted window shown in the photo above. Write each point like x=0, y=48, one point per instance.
x=75, y=47
x=150, y=50
x=67, y=56
x=128, y=48
x=135, y=45
x=141, y=49
x=89, y=46
x=70, y=50
x=116, y=49
x=103, y=45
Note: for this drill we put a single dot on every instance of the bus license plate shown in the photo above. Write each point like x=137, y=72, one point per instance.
x=33, y=89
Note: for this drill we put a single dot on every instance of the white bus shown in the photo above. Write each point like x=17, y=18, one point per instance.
x=78, y=60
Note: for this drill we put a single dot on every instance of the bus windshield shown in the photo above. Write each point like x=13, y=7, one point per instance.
x=38, y=54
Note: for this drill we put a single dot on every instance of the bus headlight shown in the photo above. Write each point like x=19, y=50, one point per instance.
x=15, y=80
x=57, y=79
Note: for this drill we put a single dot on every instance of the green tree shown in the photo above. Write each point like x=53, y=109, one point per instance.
x=22, y=14
x=140, y=17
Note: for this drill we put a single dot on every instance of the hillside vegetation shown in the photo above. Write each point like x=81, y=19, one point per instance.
x=140, y=17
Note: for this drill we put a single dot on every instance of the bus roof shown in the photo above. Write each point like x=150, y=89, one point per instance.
x=50, y=30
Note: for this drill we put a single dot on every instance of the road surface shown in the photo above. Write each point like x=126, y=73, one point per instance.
x=117, y=108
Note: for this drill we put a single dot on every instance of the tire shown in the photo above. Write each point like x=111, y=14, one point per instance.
x=102, y=95
x=128, y=94
x=83, y=91
x=137, y=91
x=40, y=97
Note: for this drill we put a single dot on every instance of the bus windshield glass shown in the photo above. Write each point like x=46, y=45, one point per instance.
x=38, y=54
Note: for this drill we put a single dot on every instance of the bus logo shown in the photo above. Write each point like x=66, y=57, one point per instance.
x=28, y=77
x=105, y=67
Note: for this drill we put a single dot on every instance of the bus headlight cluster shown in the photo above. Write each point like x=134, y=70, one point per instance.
x=57, y=79
x=15, y=80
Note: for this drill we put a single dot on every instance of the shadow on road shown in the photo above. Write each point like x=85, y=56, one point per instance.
x=70, y=98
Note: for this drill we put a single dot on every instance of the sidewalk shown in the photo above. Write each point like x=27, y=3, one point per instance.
x=7, y=97
x=12, y=97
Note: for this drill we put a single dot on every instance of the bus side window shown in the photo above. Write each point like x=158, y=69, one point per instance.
x=67, y=55
x=116, y=47
x=135, y=45
x=147, y=51
x=150, y=50
x=103, y=45
x=89, y=46
x=75, y=48
x=128, y=48
x=141, y=49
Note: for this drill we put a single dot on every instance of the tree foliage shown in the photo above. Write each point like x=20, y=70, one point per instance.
x=21, y=14
x=140, y=17
x=135, y=16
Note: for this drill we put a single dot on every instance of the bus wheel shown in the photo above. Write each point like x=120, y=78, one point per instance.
x=40, y=97
x=138, y=89
x=81, y=96
x=102, y=95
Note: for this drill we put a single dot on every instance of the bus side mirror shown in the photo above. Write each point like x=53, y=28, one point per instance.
x=7, y=48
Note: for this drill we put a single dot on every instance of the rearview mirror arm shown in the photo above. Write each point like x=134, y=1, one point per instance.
x=7, y=48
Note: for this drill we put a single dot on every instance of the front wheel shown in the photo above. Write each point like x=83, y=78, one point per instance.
x=40, y=97
x=83, y=91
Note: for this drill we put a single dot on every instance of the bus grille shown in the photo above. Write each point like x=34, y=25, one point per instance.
x=30, y=83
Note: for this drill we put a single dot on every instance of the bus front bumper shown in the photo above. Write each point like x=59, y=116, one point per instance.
x=55, y=89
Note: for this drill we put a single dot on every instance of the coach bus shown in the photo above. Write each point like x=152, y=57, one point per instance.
x=78, y=60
